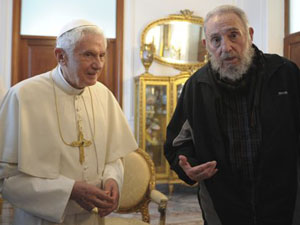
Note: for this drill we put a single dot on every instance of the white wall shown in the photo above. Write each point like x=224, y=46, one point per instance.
x=265, y=16
x=5, y=43
x=275, y=27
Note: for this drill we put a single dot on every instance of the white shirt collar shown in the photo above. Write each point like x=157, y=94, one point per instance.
x=61, y=82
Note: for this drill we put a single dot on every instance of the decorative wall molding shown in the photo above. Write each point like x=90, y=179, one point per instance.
x=5, y=42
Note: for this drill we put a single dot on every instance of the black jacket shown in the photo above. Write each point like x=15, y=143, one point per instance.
x=194, y=132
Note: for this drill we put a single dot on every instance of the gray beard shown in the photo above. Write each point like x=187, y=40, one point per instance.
x=233, y=73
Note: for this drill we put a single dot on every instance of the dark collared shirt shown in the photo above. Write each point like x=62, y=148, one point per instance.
x=239, y=121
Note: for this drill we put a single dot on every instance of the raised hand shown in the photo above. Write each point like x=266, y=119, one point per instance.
x=200, y=172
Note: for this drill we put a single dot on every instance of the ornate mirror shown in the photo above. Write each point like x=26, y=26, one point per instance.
x=177, y=40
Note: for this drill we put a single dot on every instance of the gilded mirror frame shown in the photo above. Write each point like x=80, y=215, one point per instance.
x=187, y=16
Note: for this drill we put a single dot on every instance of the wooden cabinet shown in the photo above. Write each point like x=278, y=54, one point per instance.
x=155, y=100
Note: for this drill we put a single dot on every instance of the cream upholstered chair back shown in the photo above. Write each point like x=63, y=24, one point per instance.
x=139, y=178
x=138, y=190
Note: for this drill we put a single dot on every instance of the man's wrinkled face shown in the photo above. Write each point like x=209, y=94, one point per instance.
x=83, y=67
x=229, y=44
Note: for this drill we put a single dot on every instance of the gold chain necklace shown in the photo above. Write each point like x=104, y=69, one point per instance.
x=81, y=141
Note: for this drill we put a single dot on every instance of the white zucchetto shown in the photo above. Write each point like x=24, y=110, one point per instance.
x=74, y=24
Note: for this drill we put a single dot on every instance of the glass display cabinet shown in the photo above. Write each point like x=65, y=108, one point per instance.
x=174, y=41
x=155, y=101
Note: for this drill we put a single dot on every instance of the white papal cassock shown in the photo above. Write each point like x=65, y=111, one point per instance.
x=37, y=169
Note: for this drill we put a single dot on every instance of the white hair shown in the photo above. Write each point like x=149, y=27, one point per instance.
x=68, y=40
x=225, y=9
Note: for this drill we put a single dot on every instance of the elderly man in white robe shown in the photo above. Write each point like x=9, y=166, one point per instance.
x=63, y=136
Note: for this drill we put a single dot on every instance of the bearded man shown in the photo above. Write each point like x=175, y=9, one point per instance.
x=236, y=128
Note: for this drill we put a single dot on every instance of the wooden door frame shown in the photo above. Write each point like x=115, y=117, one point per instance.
x=286, y=17
x=16, y=40
x=119, y=50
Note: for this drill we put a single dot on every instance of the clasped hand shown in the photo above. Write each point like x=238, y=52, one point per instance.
x=200, y=172
x=89, y=196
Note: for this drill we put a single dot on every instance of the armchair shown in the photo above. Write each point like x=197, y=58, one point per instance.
x=138, y=191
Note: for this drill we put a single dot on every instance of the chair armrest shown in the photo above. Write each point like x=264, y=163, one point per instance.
x=158, y=197
x=162, y=200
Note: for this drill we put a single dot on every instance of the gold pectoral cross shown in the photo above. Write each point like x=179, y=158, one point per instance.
x=81, y=143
